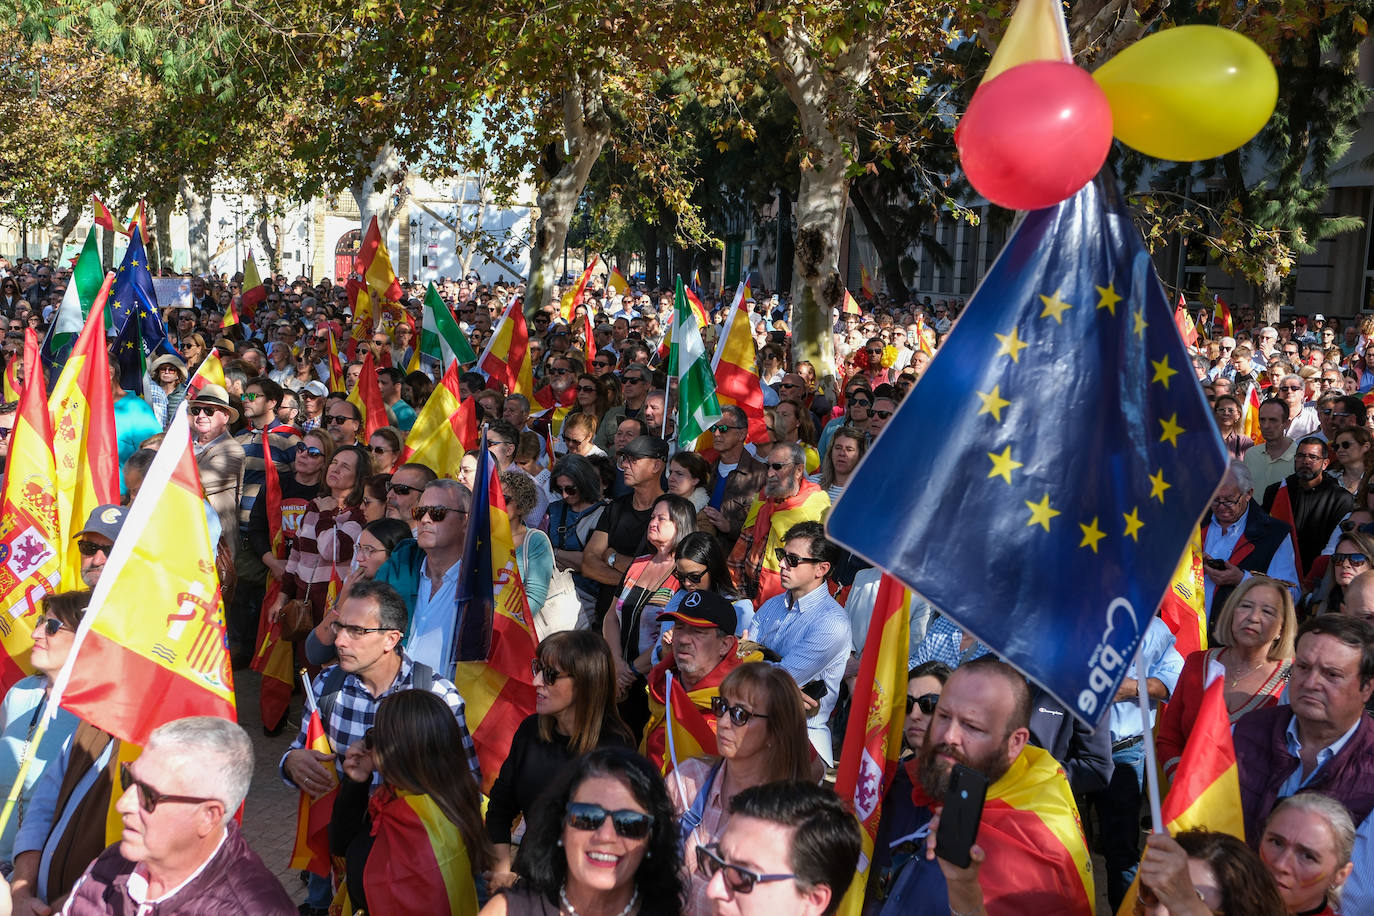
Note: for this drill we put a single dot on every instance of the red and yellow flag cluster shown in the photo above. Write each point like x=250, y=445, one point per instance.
x=735, y=369
x=506, y=358
x=444, y=430
x=311, y=849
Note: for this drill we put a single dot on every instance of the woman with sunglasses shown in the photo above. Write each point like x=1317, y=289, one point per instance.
x=593, y=400
x=323, y=548
x=1350, y=457
x=298, y=486
x=858, y=400
x=761, y=735
x=1227, y=410
x=1255, y=640
x=24, y=703
x=385, y=446
x=417, y=843
x=1353, y=554
x=574, y=714
x=924, y=684
x=576, y=508
x=375, y=545
x=168, y=389
x=699, y=564
x=601, y=840
x=792, y=426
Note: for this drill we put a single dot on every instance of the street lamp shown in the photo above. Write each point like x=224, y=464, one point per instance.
x=414, y=226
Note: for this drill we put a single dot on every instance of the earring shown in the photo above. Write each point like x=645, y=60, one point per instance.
x=560, y=841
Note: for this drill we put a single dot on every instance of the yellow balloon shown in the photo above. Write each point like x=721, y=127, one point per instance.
x=1189, y=93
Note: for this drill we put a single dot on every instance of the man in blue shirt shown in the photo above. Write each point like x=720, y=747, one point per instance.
x=806, y=626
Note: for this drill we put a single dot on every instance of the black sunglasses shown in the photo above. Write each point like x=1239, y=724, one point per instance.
x=693, y=578
x=860, y=402
x=568, y=491
x=791, y=559
x=148, y=797
x=310, y=451
x=549, y=673
x=779, y=465
x=738, y=879
x=51, y=625
x=402, y=488
x=200, y=410
x=927, y=702
x=438, y=513
x=91, y=548
x=1354, y=559
x=334, y=419
x=882, y=414
x=738, y=714
x=632, y=825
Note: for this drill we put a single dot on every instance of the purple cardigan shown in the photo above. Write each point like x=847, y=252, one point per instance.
x=1263, y=762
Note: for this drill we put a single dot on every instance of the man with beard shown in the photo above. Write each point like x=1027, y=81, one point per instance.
x=1309, y=501
x=1030, y=855
x=788, y=498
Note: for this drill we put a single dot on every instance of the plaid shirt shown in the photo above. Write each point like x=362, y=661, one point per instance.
x=355, y=709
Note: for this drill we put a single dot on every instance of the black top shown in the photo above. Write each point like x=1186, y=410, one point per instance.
x=258, y=535
x=626, y=528
x=350, y=835
x=531, y=767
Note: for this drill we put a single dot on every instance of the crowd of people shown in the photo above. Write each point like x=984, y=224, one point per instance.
x=650, y=562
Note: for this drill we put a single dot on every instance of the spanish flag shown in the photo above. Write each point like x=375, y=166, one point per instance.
x=367, y=397
x=29, y=535
x=734, y=365
x=1182, y=609
x=689, y=733
x=81, y=410
x=925, y=336
x=418, y=863
x=254, y=293
x=506, y=358
x=13, y=386
x=568, y=303
x=363, y=313
x=311, y=849
x=103, y=217
x=337, y=380
x=374, y=263
x=231, y=317
x=1186, y=327
x=865, y=282
x=873, y=742
x=850, y=306
x=211, y=372
x=151, y=647
x=616, y=281
x=494, y=639
x=1223, y=314
x=1249, y=422
x=275, y=656
x=444, y=430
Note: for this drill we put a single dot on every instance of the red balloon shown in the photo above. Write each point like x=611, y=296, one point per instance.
x=1035, y=134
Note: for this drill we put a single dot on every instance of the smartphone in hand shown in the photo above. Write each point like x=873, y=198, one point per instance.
x=960, y=816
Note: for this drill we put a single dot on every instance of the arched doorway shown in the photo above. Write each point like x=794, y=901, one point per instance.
x=345, y=251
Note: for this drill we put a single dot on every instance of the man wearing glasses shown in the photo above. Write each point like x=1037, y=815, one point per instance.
x=787, y=499
x=635, y=385
x=1309, y=501
x=181, y=848
x=1240, y=538
x=342, y=421
x=1302, y=417
x=737, y=475
x=219, y=457
x=1223, y=369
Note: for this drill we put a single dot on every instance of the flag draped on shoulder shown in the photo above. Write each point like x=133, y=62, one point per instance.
x=494, y=637
x=367, y=397
x=87, y=276
x=444, y=430
x=31, y=566
x=442, y=342
x=419, y=863
x=697, y=406
x=139, y=331
x=506, y=358
x=873, y=740
x=1083, y=522
x=155, y=626
x=85, y=450
x=687, y=733
x=735, y=368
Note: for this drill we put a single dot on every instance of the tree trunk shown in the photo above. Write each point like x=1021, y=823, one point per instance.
x=162, y=232
x=61, y=230
x=1271, y=293
x=373, y=193
x=561, y=176
x=196, y=196
x=889, y=245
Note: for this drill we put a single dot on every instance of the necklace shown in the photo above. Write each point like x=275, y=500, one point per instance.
x=1235, y=679
x=572, y=910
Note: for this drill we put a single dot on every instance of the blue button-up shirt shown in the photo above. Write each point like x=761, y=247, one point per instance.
x=812, y=636
x=1163, y=663
x=1296, y=780
x=431, y=628
x=941, y=644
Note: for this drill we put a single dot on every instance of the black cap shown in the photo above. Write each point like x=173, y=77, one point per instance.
x=705, y=609
x=646, y=447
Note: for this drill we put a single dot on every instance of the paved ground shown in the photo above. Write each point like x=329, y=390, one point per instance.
x=269, y=819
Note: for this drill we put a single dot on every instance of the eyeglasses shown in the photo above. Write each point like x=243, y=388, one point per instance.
x=1336, y=445
x=567, y=491
x=91, y=548
x=860, y=402
x=737, y=878
x=927, y=702
x=497, y=443
x=721, y=429
x=882, y=414
x=692, y=577
x=1290, y=388
x=200, y=410
x=148, y=797
x=49, y=625
x=587, y=389
x=367, y=550
x=336, y=419
x=249, y=397
x=354, y=631
x=1229, y=502
x=779, y=465
x=1341, y=413
x=1354, y=559
x=629, y=824
x=791, y=559
x=561, y=371
x=402, y=488
x=5, y=432
x=635, y=380
x=438, y=513
x=788, y=385
x=875, y=352
x=739, y=716
x=309, y=451
x=548, y=673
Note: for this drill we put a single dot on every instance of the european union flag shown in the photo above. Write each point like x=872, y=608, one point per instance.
x=138, y=328
x=476, y=593
x=1054, y=458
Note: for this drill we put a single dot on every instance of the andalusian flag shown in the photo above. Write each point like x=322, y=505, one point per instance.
x=311, y=849
x=698, y=410
x=155, y=626
x=81, y=409
x=444, y=430
x=211, y=372
x=494, y=638
x=570, y=300
x=374, y=263
x=254, y=293
x=103, y=217
x=734, y=366
x=1182, y=609
x=87, y=275
x=442, y=342
x=275, y=656
x=418, y=862
x=29, y=532
x=506, y=357
x=873, y=741
x=367, y=397
x=616, y=281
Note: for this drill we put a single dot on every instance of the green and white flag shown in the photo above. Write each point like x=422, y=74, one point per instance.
x=441, y=340
x=82, y=289
x=697, y=406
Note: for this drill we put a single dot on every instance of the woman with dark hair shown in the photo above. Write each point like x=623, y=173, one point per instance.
x=324, y=543
x=1227, y=411
x=420, y=386
x=53, y=633
x=1200, y=873
x=593, y=399
x=417, y=844
x=573, y=514
x=378, y=539
x=631, y=625
x=611, y=804
x=699, y=565
x=847, y=446
x=858, y=399
x=761, y=734
x=533, y=549
x=385, y=446
x=374, y=496
x=689, y=475
x=574, y=713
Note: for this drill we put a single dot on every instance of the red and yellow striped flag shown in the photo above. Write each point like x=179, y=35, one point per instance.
x=569, y=301
x=1249, y=423
x=337, y=380
x=211, y=372
x=311, y=849
x=616, y=281
x=374, y=263
x=688, y=734
x=103, y=217
x=151, y=648
x=925, y=336
x=850, y=305
x=231, y=316
x=254, y=293
x=737, y=379
x=444, y=430
x=419, y=863
x=28, y=539
x=275, y=656
x=865, y=282
x=506, y=358
x=873, y=741
x=1182, y=608
x=367, y=397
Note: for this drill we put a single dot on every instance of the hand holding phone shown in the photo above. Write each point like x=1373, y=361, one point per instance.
x=959, y=818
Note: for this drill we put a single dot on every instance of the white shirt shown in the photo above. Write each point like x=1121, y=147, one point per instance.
x=1219, y=542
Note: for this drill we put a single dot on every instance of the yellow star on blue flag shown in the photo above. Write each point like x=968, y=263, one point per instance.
x=138, y=327
x=1058, y=557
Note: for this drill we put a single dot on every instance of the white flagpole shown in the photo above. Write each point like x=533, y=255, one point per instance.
x=1148, y=738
